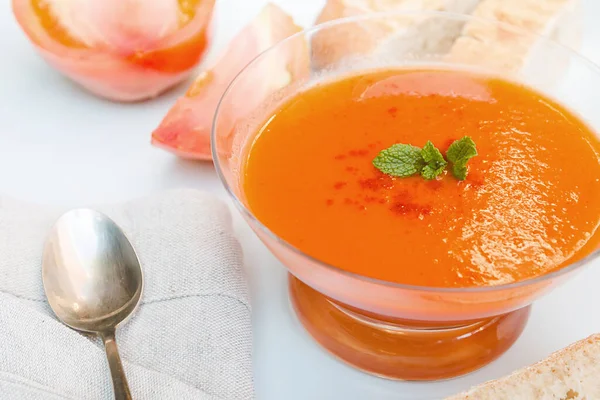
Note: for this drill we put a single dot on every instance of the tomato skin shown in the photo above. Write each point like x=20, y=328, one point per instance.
x=185, y=130
x=119, y=73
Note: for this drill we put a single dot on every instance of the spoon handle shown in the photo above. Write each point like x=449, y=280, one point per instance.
x=120, y=386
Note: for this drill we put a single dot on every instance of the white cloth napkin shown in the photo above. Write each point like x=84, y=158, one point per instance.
x=189, y=339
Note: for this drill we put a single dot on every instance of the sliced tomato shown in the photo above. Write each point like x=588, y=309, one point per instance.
x=124, y=50
x=185, y=130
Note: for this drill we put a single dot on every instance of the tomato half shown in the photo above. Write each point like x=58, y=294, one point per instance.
x=123, y=50
x=185, y=130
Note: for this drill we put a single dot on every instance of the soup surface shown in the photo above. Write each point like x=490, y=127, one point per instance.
x=530, y=203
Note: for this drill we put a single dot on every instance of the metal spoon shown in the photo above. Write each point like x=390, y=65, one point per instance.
x=93, y=280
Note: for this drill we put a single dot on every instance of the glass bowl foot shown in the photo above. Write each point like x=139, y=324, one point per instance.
x=404, y=350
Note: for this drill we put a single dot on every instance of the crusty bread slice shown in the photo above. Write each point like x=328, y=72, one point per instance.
x=331, y=46
x=572, y=373
x=486, y=45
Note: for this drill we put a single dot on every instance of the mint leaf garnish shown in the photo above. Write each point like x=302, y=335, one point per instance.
x=434, y=161
x=402, y=160
x=459, y=153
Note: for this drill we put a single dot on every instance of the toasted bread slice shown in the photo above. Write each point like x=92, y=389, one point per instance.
x=331, y=46
x=487, y=45
x=572, y=373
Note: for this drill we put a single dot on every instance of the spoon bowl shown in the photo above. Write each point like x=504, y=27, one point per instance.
x=93, y=279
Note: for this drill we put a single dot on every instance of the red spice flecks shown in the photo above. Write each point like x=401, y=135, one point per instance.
x=352, y=170
x=393, y=111
x=382, y=181
x=349, y=202
x=358, y=153
x=329, y=202
x=340, y=157
x=403, y=204
x=401, y=208
x=374, y=199
x=339, y=185
x=370, y=184
x=475, y=181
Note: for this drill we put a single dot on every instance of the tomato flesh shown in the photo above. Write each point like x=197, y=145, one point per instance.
x=177, y=58
x=185, y=130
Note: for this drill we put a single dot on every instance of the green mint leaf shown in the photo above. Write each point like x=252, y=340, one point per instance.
x=459, y=171
x=434, y=160
x=431, y=173
x=459, y=153
x=400, y=160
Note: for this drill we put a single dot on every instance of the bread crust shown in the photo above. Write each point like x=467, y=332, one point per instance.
x=488, y=45
x=330, y=46
x=572, y=373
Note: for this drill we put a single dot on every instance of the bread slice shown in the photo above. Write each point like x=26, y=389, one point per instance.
x=487, y=45
x=572, y=373
x=331, y=46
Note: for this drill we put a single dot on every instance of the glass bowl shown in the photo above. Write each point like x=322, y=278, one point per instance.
x=388, y=329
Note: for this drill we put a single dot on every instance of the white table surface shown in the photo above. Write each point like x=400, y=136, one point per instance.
x=59, y=145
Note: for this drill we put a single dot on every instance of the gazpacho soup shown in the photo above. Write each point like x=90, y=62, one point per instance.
x=430, y=177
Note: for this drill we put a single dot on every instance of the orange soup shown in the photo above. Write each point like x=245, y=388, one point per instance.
x=530, y=203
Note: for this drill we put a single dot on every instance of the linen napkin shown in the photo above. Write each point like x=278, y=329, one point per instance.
x=189, y=339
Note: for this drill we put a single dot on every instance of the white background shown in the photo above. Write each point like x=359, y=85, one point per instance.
x=60, y=145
